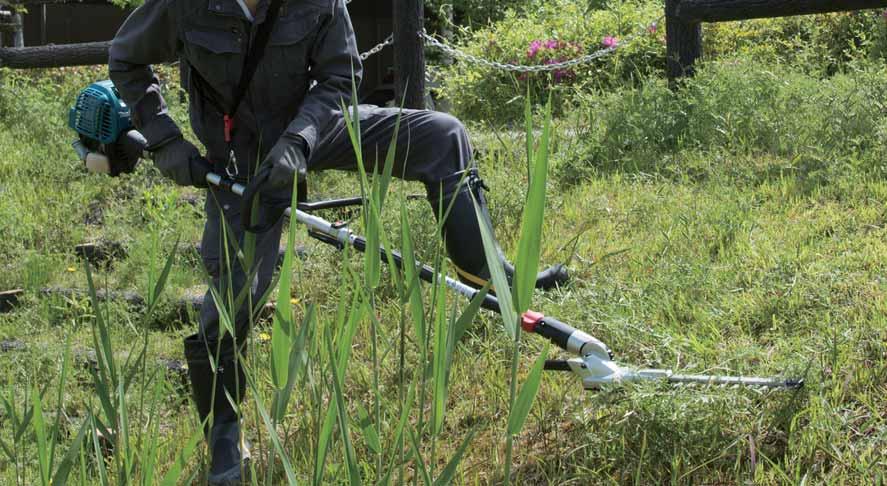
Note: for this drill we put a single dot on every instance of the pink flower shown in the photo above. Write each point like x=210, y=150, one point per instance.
x=653, y=27
x=609, y=42
x=552, y=44
x=534, y=48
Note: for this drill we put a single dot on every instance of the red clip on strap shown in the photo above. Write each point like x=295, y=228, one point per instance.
x=229, y=124
x=530, y=320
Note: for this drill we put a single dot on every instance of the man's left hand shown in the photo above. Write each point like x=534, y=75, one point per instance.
x=285, y=161
x=284, y=164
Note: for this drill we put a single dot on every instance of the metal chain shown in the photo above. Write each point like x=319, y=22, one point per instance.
x=522, y=68
x=378, y=47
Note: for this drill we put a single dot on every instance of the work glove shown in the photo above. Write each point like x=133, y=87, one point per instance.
x=180, y=160
x=285, y=163
x=125, y=152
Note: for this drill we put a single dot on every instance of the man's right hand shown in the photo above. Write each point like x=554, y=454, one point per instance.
x=180, y=160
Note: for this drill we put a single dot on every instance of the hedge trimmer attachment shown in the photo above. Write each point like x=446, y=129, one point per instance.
x=593, y=363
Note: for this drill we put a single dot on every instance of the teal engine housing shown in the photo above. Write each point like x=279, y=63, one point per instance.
x=99, y=115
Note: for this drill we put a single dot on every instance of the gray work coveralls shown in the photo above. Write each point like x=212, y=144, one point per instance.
x=312, y=40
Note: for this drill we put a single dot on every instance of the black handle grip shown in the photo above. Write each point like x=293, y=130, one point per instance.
x=556, y=365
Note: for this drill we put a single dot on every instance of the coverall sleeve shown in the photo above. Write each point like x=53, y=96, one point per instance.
x=334, y=58
x=149, y=35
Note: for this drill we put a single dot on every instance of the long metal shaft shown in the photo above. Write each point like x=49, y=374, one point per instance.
x=594, y=365
x=559, y=333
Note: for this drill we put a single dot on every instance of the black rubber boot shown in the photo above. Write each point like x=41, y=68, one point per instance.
x=228, y=450
x=461, y=232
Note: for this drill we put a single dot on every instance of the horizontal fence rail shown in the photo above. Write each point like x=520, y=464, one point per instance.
x=726, y=10
x=85, y=54
x=684, y=18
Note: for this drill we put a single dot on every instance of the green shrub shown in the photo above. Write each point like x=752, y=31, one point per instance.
x=735, y=108
x=819, y=45
x=468, y=13
x=550, y=32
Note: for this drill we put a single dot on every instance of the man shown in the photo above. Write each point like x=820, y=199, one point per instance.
x=279, y=129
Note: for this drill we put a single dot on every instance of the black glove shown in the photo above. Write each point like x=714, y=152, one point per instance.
x=180, y=160
x=124, y=154
x=286, y=160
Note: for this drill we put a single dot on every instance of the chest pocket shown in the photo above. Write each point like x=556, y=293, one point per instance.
x=217, y=55
x=287, y=57
x=289, y=48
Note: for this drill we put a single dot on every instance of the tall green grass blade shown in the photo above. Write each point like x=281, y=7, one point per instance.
x=102, y=340
x=10, y=456
x=368, y=429
x=528, y=129
x=297, y=359
x=323, y=444
x=272, y=432
x=97, y=450
x=470, y=313
x=283, y=335
x=346, y=337
x=153, y=436
x=500, y=283
x=411, y=281
x=350, y=456
x=372, y=263
x=417, y=457
x=521, y=406
x=389, y=161
x=449, y=472
x=60, y=477
x=173, y=475
x=60, y=400
x=527, y=262
x=104, y=395
x=160, y=284
x=397, y=436
x=122, y=436
x=440, y=359
x=40, y=433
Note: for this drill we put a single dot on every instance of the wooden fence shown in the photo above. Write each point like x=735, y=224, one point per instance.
x=409, y=57
x=684, y=18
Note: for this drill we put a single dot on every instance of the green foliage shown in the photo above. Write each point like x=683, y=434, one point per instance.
x=736, y=223
x=468, y=13
x=571, y=29
x=735, y=108
x=819, y=45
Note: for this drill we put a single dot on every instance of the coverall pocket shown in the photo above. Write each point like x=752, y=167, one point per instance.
x=284, y=73
x=290, y=44
x=215, y=54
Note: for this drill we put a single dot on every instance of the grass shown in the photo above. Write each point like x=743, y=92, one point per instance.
x=714, y=246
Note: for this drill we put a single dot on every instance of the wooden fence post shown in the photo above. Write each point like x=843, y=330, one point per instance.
x=18, y=33
x=409, y=53
x=683, y=42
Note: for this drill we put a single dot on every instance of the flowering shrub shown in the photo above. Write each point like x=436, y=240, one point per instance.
x=551, y=33
x=558, y=30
